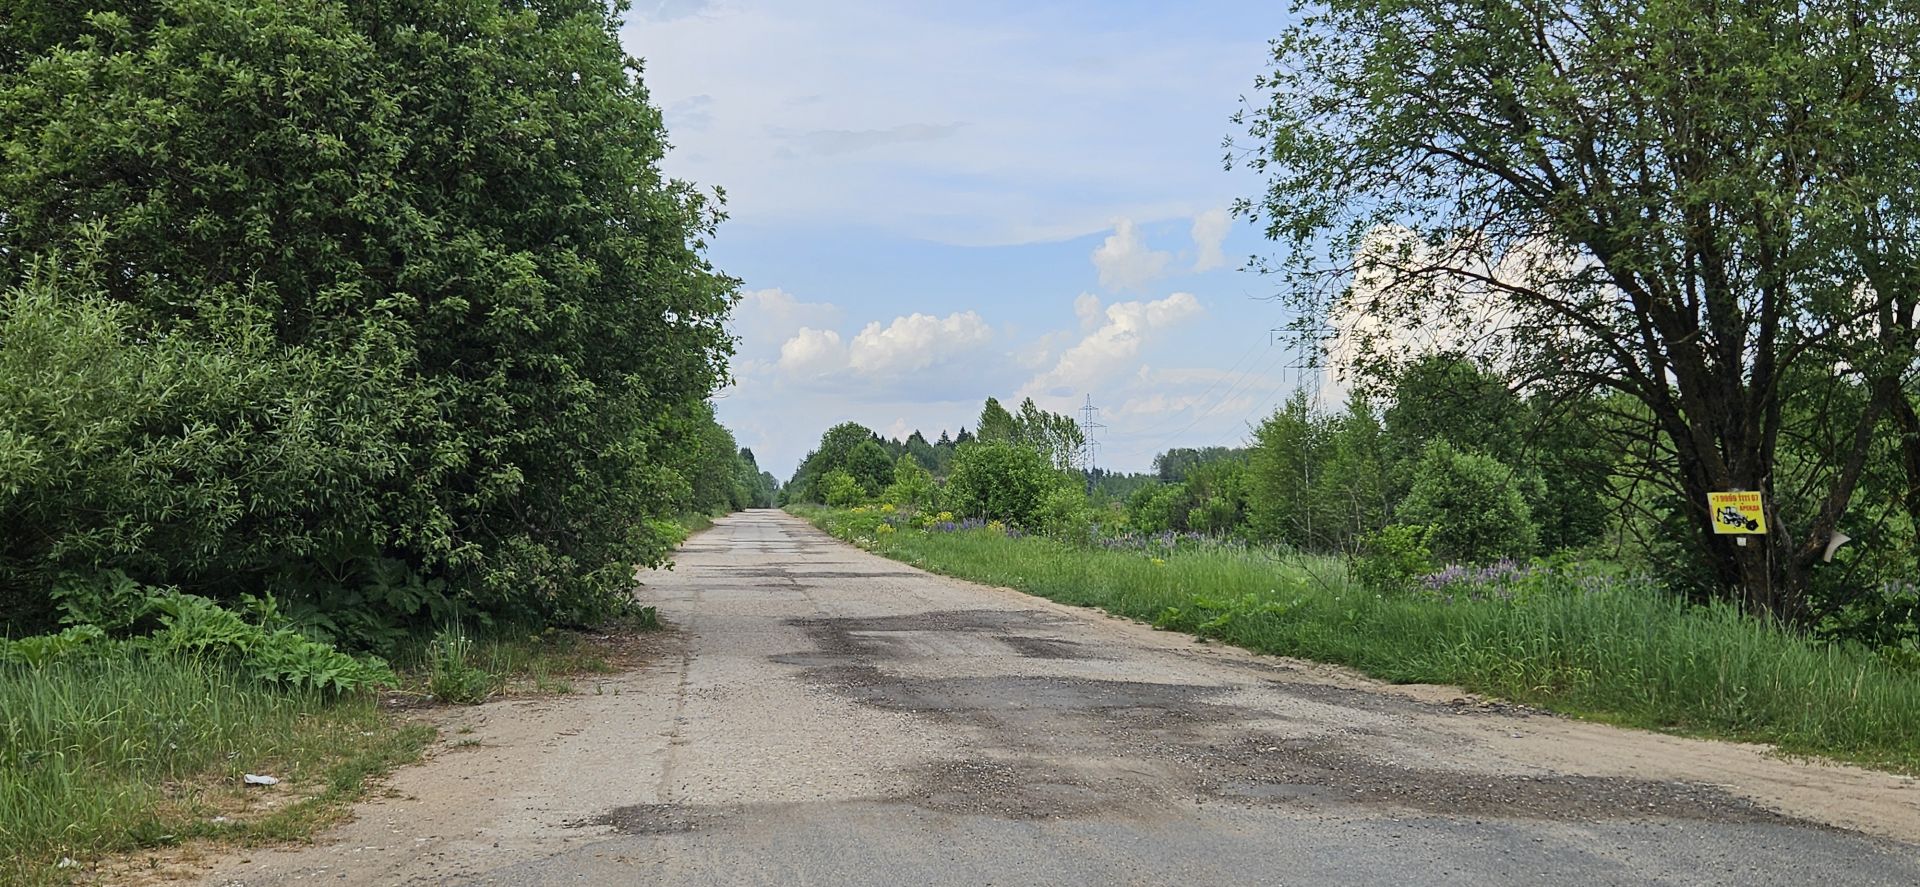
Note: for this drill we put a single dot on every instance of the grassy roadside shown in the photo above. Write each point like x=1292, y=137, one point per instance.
x=1604, y=648
x=113, y=755
x=106, y=759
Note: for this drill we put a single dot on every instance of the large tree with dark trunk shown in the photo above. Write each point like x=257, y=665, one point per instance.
x=1704, y=206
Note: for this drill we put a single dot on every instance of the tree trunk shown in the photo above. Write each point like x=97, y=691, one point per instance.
x=1908, y=424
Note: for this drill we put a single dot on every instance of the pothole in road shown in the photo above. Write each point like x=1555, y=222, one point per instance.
x=1023, y=703
x=1024, y=632
x=1006, y=789
x=1268, y=769
x=1044, y=648
x=651, y=819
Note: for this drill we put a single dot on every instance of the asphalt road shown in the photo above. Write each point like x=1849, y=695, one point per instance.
x=824, y=716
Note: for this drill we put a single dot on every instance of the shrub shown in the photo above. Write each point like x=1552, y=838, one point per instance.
x=321, y=303
x=1063, y=513
x=1157, y=508
x=912, y=485
x=842, y=491
x=1000, y=481
x=1473, y=503
x=1392, y=557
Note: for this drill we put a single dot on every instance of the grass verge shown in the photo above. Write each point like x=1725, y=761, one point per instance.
x=1611, y=649
x=119, y=754
x=103, y=760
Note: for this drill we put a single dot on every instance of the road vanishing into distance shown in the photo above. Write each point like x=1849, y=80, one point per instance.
x=820, y=715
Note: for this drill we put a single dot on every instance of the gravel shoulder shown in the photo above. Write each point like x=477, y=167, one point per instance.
x=822, y=715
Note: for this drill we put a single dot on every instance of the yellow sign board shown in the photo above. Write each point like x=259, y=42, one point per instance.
x=1737, y=513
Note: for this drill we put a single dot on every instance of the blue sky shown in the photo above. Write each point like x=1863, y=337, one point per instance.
x=933, y=203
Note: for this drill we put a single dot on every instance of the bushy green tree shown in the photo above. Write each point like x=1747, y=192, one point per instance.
x=1055, y=435
x=912, y=485
x=999, y=481
x=1474, y=504
x=868, y=463
x=429, y=299
x=842, y=490
x=1448, y=395
x=1063, y=513
x=835, y=452
x=1157, y=508
x=1173, y=465
x=996, y=425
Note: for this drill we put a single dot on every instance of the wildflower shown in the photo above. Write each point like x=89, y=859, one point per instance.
x=888, y=508
x=1159, y=561
x=883, y=529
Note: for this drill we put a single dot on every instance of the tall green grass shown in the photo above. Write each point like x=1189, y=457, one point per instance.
x=1616, y=650
x=118, y=753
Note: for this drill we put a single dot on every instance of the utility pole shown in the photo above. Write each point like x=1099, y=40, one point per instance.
x=1306, y=366
x=1089, y=447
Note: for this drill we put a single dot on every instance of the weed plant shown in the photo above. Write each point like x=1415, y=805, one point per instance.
x=1606, y=647
x=452, y=675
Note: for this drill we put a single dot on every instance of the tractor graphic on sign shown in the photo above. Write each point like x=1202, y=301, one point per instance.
x=1737, y=511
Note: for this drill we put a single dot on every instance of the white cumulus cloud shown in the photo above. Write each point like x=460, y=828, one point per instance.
x=1125, y=262
x=1209, y=233
x=917, y=341
x=1112, y=349
x=812, y=352
x=893, y=352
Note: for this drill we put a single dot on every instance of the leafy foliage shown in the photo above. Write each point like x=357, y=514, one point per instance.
x=1055, y=435
x=1063, y=513
x=1318, y=481
x=841, y=490
x=116, y=615
x=912, y=485
x=1392, y=557
x=292, y=293
x=998, y=480
x=1473, y=504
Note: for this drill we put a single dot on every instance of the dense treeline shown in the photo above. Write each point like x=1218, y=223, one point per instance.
x=384, y=309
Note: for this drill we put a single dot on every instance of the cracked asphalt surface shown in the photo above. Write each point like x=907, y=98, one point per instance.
x=824, y=716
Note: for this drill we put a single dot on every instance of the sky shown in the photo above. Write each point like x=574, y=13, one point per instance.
x=933, y=203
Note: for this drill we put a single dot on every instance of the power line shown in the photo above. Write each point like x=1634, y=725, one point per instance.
x=1245, y=377
x=1170, y=418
